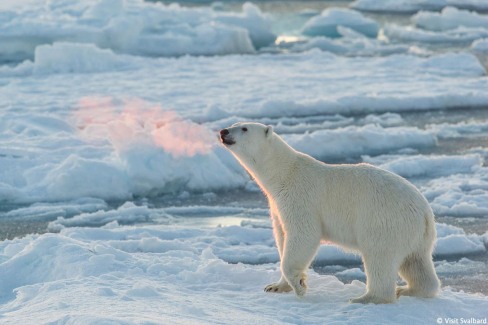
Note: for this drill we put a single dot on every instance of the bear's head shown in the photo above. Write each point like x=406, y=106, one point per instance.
x=247, y=141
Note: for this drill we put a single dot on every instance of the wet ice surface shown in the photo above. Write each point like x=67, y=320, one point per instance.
x=113, y=186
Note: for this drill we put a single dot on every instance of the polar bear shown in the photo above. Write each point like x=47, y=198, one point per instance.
x=359, y=207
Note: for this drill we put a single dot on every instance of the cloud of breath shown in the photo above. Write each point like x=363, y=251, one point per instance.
x=125, y=123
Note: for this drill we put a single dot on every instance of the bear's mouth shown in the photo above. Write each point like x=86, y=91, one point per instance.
x=226, y=139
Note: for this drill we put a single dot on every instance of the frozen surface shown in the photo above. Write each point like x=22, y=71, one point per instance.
x=409, y=6
x=448, y=27
x=449, y=18
x=367, y=139
x=350, y=43
x=170, y=274
x=133, y=27
x=327, y=22
x=453, y=241
x=460, y=194
x=457, y=185
x=61, y=209
x=109, y=111
x=480, y=46
x=254, y=243
x=459, y=35
x=459, y=267
x=75, y=58
x=480, y=49
x=99, y=140
x=433, y=166
x=462, y=129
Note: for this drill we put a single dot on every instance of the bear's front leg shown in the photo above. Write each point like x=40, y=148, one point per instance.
x=279, y=235
x=300, y=246
x=278, y=287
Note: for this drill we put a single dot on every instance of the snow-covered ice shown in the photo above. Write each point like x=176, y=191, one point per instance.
x=459, y=35
x=480, y=49
x=351, y=43
x=169, y=274
x=114, y=141
x=411, y=6
x=329, y=20
x=367, y=139
x=433, y=166
x=132, y=26
x=460, y=194
x=109, y=111
x=250, y=244
x=449, y=18
x=449, y=27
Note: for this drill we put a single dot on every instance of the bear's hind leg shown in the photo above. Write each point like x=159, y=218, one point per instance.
x=381, y=273
x=419, y=272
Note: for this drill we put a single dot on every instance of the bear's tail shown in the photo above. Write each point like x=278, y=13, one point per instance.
x=430, y=233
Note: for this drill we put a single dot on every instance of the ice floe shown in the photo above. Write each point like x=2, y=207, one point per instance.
x=250, y=243
x=410, y=6
x=449, y=18
x=329, y=20
x=181, y=275
x=133, y=27
x=429, y=166
x=109, y=140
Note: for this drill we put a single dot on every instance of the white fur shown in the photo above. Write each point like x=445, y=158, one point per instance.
x=359, y=207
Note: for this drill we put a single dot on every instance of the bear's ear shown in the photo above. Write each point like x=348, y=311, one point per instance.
x=268, y=130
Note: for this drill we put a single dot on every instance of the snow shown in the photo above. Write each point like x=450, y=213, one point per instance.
x=480, y=49
x=480, y=45
x=109, y=111
x=351, y=43
x=75, y=58
x=134, y=134
x=459, y=245
x=456, y=184
x=126, y=213
x=450, y=26
x=432, y=166
x=460, y=35
x=245, y=243
x=252, y=20
x=133, y=27
x=453, y=241
x=367, y=139
x=326, y=24
x=159, y=274
x=410, y=6
x=460, y=195
x=60, y=209
x=114, y=145
x=458, y=130
x=462, y=266
x=352, y=273
x=449, y=18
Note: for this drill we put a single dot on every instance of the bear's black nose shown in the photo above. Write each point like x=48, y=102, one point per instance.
x=224, y=132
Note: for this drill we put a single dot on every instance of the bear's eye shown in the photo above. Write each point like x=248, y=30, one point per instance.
x=244, y=129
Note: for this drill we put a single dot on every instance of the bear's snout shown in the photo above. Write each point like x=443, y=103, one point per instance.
x=225, y=137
